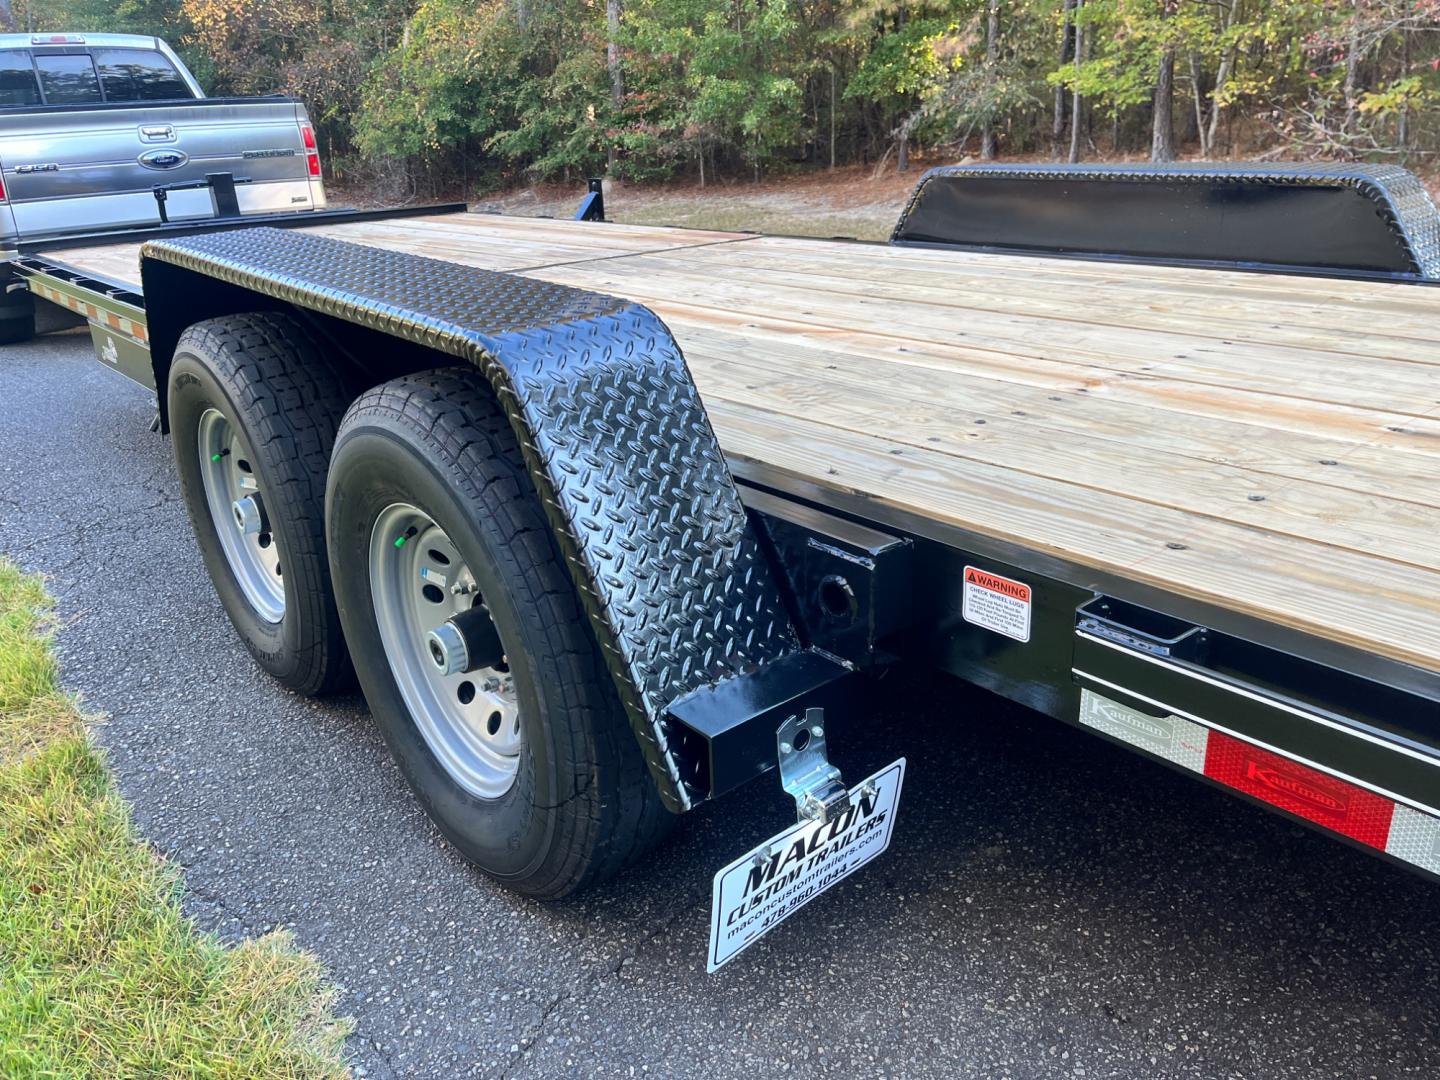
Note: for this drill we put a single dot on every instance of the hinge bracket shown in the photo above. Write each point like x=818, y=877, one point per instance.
x=805, y=770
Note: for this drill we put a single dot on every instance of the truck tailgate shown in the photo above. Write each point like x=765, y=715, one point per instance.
x=69, y=170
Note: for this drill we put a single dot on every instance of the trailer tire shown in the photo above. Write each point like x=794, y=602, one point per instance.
x=260, y=383
x=580, y=804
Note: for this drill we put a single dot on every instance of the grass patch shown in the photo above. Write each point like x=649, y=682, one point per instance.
x=100, y=973
x=741, y=215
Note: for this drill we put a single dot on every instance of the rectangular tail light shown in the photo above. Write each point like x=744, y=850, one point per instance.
x=312, y=151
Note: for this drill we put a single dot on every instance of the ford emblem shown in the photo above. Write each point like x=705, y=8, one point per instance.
x=163, y=159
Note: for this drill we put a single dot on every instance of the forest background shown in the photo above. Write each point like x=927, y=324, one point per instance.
x=441, y=97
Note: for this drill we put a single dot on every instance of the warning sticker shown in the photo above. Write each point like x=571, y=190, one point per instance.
x=997, y=603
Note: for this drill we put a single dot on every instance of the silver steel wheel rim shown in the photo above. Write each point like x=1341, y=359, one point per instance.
x=227, y=473
x=470, y=720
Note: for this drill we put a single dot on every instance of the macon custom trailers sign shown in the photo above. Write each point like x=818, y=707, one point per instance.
x=610, y=520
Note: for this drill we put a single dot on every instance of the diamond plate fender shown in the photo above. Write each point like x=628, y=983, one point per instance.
x=613, y=433
x=1398, y=228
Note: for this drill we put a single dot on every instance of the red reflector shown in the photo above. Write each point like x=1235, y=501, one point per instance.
x=1303, y=791
x=307, y=133
x=314, y=162
x=2, y=188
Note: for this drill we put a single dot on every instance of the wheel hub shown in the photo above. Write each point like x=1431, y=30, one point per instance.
x=447, y=649
x=447, y=661
x=232, y=490
x=248, y=517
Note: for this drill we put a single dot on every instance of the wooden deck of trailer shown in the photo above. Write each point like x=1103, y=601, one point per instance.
x=1268, y=444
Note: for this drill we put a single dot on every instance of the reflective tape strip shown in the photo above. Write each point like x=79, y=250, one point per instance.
x=1305, y=792
x=129, y=327
x=1415, y=837
x=1171, y=737
x=1335, y=803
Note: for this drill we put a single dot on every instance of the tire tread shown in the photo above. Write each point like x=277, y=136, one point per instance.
x=294, y=397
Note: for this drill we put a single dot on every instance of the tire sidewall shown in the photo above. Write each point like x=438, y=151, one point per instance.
x=509, y=836
x=194, y=389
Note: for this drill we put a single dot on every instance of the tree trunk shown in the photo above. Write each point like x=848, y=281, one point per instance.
x=1077, y=104
x=1162, y=134
x=1402, y=131
x=992, y=34
x=1162, y=131
x=613, y=11
x=1057, y=127
x=1222, y=76
x=902, y=152
x=832, y=116
x=1352, y=68
x=7, y=18
x=1199, y=107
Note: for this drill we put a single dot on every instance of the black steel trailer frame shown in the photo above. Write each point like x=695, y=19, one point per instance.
x=773, y=595
x=1329, y=708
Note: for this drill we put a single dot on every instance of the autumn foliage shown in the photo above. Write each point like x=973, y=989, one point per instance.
x=431, y=95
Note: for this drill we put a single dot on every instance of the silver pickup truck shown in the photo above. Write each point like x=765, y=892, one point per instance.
x=110, y=131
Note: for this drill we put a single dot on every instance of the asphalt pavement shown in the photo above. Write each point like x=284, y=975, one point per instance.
x=1051, y=906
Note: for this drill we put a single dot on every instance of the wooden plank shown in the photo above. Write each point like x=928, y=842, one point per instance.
x=1173, y=399
x=973, y=409
x=116, y=262
x=493, y=242
x=487, y=241
x=1339, y=595
x=1118, y=348
x=922, y=416
x=1266, y=443
x=1406, y=333
x=1273, y=287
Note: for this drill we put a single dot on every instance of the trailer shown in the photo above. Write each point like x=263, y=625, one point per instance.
x=609, y=520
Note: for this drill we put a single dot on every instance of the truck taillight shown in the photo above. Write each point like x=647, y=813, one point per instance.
x=2, y=188
x=312, y=153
